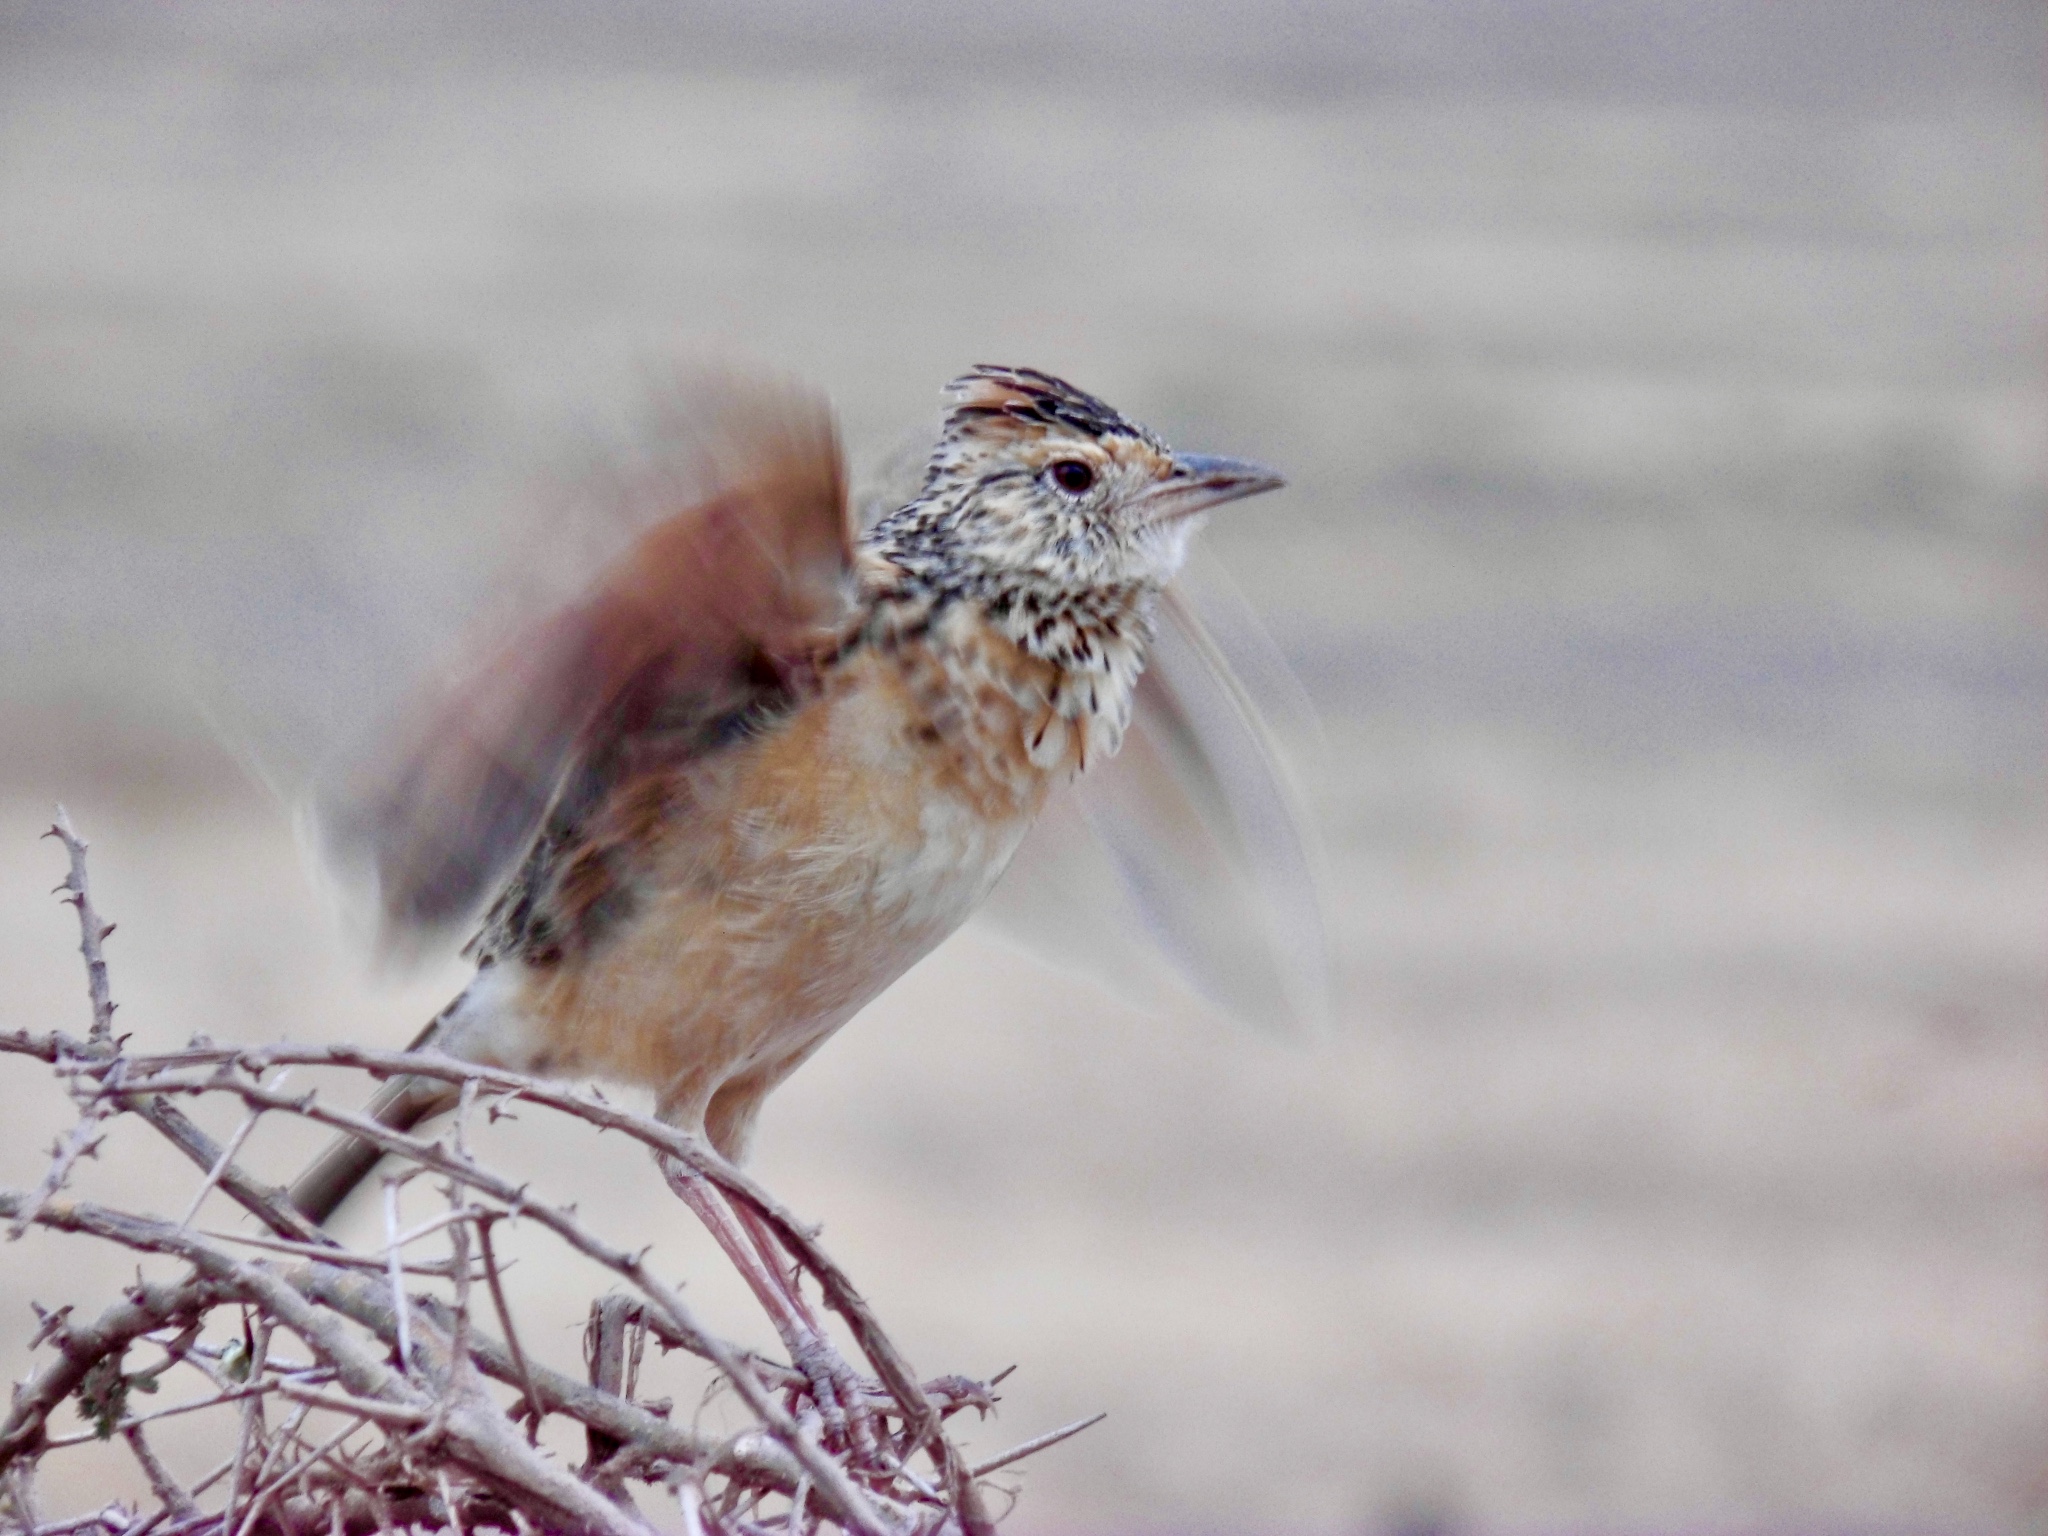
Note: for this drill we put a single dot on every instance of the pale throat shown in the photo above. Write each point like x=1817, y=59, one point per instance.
x=1097, y=640
x=1089, y=620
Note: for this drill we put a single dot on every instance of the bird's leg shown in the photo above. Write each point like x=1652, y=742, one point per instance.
x=748, y=1241
x=822, y=1364
x=778, y=1261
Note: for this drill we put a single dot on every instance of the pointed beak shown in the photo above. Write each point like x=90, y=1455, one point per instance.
x=1199, y=481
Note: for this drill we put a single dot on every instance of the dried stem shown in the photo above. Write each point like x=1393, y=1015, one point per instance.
x=220, y=1166
x=161, y=1483
x=497, y=1288
x=82, y=1140
x=92, y=932
x=1032, y=1447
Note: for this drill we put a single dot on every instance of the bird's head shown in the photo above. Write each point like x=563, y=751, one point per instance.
x=1037, y=481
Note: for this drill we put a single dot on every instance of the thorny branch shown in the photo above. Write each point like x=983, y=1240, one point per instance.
x=92, y=932
x=393, y=1407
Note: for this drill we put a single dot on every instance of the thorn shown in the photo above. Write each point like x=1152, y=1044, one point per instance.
x=1043, y=1442
x=52, y=1323
x=999, y=1376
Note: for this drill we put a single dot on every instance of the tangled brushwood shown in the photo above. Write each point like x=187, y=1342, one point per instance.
x=385, y=1388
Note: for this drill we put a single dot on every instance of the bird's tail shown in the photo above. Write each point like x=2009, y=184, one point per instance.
x=400, y=1104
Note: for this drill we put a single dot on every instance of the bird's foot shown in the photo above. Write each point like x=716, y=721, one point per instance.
x=842, y=1396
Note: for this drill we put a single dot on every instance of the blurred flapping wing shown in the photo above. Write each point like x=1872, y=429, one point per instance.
x=702, y=608
x=1192, y=834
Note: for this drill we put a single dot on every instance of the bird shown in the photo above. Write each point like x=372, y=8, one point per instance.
x=707, y=810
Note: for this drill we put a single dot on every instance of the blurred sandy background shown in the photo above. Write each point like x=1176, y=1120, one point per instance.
x=1662, y=389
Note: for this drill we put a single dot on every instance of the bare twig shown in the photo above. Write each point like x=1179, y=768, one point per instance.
x=82, y=1140
x=690, y=1499
x=92, y=932
x=398, y=1306
x=450, y=1503
x=458, y=1242
x=112, y=1519
x=198, y=1404
x=1032, y=1447
x=438, y=1268
x=269, y=1204
x=220, y=1166
x=454, y=1216
x=497, y=1289
x=604, y=1348
x=161, y=1483
x=363, y=1408
x=44, y=1048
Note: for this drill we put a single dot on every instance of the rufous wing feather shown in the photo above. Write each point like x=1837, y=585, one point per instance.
x=749, y=575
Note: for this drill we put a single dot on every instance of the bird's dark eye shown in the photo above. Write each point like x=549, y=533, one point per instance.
x=1072, y=476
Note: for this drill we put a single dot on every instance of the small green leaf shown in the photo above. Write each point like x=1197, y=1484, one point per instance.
x=103, y=1395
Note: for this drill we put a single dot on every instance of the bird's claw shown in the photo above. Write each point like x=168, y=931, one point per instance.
x=841, y=1397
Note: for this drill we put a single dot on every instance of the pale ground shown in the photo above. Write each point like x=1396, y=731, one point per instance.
x=1663, y=556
